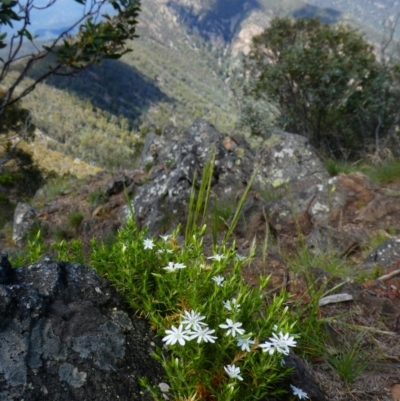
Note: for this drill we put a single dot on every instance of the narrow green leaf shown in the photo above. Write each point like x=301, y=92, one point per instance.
x=28, y=35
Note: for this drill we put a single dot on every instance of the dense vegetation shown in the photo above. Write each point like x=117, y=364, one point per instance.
x=326, y=84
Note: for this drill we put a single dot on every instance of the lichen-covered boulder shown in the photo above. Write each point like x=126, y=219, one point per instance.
x=289, y=159
x=25, y=219
x=176, y=160
x=65, y=334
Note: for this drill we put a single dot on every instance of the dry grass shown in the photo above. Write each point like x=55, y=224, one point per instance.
x=51, y=160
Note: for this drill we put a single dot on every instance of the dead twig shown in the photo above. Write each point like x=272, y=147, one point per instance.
x=389, y=275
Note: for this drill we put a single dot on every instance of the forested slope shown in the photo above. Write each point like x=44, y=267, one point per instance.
x=182, y=66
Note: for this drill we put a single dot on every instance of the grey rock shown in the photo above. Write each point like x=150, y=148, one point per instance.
x=71, y=375
x=292, y=191
x=289, y=159
x=337, y=214
x=65, y=334
x=293, y=211
x=177, y=158
x=25, y=219
x=330, y=238
x=385, y=255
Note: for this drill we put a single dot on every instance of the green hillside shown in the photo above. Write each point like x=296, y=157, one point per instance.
x=176, y=73
x=101, y=115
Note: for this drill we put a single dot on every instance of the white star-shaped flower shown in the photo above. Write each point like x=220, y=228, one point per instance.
x=233, y=372
x=267, y=347
x=245, y=343
x=203, y=334
x=280, y=342
x=232, y=305
x=148, y=243
x=232, y=327
x=176, y=335
x=299, y=392
x=165, y=237
x=174, y=266
x=170, y=267
x=218, y=257
x=193, y=320
x=219, y=280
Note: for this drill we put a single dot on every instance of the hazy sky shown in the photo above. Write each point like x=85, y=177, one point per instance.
x=61, y=14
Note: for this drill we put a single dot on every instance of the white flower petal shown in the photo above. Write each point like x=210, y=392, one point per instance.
x=299, y=392
x=203, y=334
x=245, y=343
x=176, y=335
x=193, y=320
x=148, y=243
x=219, y=280
x=233, y=372
x=233, y=328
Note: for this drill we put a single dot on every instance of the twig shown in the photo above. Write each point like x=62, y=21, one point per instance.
x=390, y=275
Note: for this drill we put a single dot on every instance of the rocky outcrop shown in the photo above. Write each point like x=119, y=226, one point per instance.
x=324, y=212
x=292, y=192
x=176, y=159
x=65, y=334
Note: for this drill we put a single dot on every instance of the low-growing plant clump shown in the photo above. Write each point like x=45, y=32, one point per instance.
x=224, y=339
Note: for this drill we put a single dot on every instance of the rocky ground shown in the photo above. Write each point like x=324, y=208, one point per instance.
x=293, y=203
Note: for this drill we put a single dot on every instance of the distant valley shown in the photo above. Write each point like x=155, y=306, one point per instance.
x=182, y=67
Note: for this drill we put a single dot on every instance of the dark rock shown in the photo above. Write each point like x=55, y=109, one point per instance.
x=65, y=334
x=301, y=378
x=292, y=213
x=6, y=270
x=117, y=185
x=253, y=218
x=176, y=160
